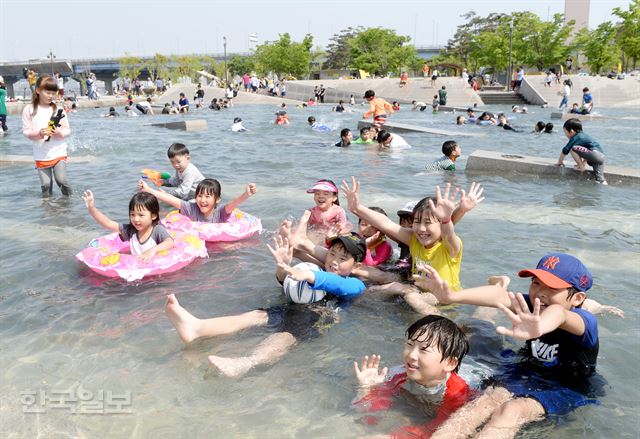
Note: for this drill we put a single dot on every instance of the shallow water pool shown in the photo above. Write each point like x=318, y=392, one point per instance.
x=65, y=329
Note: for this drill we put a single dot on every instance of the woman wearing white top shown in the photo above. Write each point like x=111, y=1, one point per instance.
x=49, y=145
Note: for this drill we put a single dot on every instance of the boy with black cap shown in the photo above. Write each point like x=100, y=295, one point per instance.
x=292, y=322
x=559, y=357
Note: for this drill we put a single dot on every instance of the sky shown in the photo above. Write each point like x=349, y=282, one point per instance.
x=76, y=29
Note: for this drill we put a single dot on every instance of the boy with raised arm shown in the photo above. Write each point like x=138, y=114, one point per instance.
x=560, y=353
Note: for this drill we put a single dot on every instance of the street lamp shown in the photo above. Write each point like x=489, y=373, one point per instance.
x=51, y=57
x=510, y=50
x=226, y=76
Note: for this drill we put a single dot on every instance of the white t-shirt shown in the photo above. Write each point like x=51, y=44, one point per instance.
x=43, y=151
x=398, y=142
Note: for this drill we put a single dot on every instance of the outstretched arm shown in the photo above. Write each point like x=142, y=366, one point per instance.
x=100, y=217
x=249, y=192
x=160, y=195
x=532, y=324
x=443, y=210
x=376, y=219
x=487, y=295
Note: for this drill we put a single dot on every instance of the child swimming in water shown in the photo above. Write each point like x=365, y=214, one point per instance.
x=282, y=118
x=146, y=237
x=326, y=215
x=378, y=249
x=206, y=206
x=432, y=355
x=366, y=136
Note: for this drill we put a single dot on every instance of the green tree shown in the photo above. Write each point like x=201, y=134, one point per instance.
x=599, y=46
x=540, y=43
x=209, y=64
x=339, y=51
x=130, y=66
x=628, y=33
x=380, y=51
x=185, y=66
x=459, y=49
x=158, y=66
x=285, y=56
x=490, y=48
x=239, y=65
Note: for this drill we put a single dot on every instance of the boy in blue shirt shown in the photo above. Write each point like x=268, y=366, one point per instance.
x=584, y=150
x=292, y=322
x=558, y=359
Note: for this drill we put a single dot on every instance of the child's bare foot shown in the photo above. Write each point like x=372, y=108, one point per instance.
x=186, y=324
x=503, y=281
x=580, y=168
x=230, y=367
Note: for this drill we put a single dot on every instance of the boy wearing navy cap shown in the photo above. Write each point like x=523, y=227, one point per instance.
x=560, y=353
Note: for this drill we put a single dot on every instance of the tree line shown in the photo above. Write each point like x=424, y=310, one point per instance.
x=481, y=42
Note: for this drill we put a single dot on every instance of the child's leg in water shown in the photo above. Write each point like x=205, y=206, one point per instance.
x=268, y=351
x=190, y=328
x=465, y=421
x=484, y=312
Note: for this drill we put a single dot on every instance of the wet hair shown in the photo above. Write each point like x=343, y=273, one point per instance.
x=449, y=147
x=573, y=124
x=369, y=94
x=237, y=120
x=486, y=113
x=209, y=186
x=145, y=201
x=337, y=201
x=311, y=119
x=539, y=127
x=177, y=149
x=345, y=132
x=383, y=136
x=548, y=128
x=460, y=120
x=112, y=109
x=364, y=130
x=45, y=82
x=439, y=331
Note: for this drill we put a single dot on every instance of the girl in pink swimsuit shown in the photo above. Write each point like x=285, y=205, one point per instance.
x=326, y=216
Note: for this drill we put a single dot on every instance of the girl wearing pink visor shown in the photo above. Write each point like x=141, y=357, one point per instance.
x=327, y=217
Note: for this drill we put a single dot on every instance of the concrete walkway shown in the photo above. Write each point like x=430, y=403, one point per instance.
x=606, y=92
x=458, y=93
x=173, y=94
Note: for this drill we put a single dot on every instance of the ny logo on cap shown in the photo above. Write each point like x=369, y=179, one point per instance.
x=551, y=262
x=584, y=280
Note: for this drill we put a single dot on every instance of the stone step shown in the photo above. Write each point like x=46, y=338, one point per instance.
x=482, y=161
x=395, y=127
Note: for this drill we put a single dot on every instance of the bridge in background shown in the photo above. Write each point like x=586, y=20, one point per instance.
x=107, y=69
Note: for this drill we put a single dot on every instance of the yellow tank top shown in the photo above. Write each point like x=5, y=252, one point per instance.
x=438, y=257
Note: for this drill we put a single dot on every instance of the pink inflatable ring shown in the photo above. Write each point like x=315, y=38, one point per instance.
x=240, y=225
x=105, y=256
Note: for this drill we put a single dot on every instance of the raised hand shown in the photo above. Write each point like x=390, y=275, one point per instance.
x=251, y=189
x=282, y=252
x=470, y=200
x=143, y=186
x=429, y=279
x=88, y=199
x=352, y=194
x=368, y=374
x=445, y=203
x=525, y=324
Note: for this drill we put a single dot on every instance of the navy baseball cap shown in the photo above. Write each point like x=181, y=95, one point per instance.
x=355, y=245
x=560, y=270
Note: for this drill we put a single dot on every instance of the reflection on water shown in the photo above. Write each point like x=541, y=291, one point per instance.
x=65, y=327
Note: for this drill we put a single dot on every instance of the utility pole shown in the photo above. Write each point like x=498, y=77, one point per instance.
x=510, y=50
x=226, y=76
x=51, y=57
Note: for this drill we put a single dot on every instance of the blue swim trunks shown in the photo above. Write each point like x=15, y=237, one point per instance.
x=556, y=398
